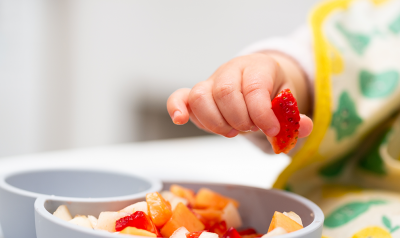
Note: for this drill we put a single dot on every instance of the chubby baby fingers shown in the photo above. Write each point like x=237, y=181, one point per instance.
x=177, y=106
x=306, y=126
x=196, y=121
x=203, y=106
x=227, y=93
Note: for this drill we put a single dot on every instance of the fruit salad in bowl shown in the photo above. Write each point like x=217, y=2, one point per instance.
x=181, y=213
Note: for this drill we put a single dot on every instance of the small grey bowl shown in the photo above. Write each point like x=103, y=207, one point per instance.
x=257, y=207
x=19, y=190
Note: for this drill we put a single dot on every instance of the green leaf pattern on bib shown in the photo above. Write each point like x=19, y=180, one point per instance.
x=388, y=224
x=358, y=42
x=372, y=161
x=345, y=120
x=348, y=212
x=395, y=26
x=378, y=85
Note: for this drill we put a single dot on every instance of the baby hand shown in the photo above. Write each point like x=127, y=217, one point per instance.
x=237, y=97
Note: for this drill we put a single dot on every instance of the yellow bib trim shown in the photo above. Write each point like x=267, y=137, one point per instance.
x=322, y=113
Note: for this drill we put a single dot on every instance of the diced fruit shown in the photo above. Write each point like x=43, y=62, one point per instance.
x=294, y=217
x=82, y=221
x=167, y=195
x=231, y=216
x=183, y=193
x=248, y=231
x=139, y=220
x=194, y=234
x=137, y=232
x=209, y=217
x=275, y=232
x=159, y=210
x=207, y=223
x=209, y=214
x=207, y=198
x=220, y=228
x=280, y=220
x=173, y=199
x=107, y=220
x=139, y=206
x=62, y=212
x=181, y=216
x=285, y=108
x=93, y=220
x=231, y=233
x=169, y=205
x=206, y=234
x=198, y=216
x=180, y=233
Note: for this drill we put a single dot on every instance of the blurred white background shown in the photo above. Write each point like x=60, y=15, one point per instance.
x=77, y=73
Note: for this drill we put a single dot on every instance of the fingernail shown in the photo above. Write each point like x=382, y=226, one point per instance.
x=232, y=133
x=254, y=129
x=272, y=131
x=176, y=113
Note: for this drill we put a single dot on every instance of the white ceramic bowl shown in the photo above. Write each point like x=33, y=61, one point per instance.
x=257, y=207
x=19, y=190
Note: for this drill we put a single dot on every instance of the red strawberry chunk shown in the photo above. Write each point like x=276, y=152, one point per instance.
x=219, y=228
x=139, y=220
x=231, y=233
x=285, y=108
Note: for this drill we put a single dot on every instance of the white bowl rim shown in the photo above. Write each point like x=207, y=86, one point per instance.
x=314, y=225
x=155, y=185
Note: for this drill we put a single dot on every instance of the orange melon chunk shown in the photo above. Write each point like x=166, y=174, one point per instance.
x=159, y=210
x=183, y=193
x=181, y=216
x=207, y=198
x=280, y=220
x=209, y=214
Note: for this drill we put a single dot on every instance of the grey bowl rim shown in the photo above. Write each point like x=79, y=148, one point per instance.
x=155, y=185
x=315, y=224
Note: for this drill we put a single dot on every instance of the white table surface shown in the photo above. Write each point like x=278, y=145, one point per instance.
x=206, y=159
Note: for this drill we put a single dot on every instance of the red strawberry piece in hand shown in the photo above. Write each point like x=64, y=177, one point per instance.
x=285, y=108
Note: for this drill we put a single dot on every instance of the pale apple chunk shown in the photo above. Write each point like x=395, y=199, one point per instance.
x=173, y=199
x=167, y=195
x=82, y=221
x=139, y=206
x=231, y=216
x=107, y=220
x=275, y=232
x=179, y=233
x=206, y=234
x=93, y=220
x=137, y=232
x=62, y=212
x=294, y=217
